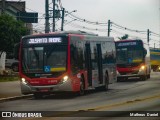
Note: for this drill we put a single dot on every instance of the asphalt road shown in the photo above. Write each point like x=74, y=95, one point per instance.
x=122, y=97
x=9, y=89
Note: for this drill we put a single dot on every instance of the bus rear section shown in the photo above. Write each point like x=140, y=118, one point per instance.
x=133, y=60
x=65, y=62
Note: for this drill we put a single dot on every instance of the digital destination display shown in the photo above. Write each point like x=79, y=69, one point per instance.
x=126, y=44
x=44, y=40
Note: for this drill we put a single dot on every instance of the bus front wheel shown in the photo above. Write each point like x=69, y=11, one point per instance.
x=82, y=87
x=143, y=78
x=38, y=95
x=105, y=87
x=106, y=82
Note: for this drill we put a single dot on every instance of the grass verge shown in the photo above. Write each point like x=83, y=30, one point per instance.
x=8, y=78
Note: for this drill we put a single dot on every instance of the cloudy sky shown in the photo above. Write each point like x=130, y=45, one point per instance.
x=133, y=15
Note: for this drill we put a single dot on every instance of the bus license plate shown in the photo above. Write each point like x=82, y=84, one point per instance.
x=44, y=90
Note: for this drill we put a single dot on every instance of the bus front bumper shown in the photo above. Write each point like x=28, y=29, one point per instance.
x=61, y=87
x=130, y=75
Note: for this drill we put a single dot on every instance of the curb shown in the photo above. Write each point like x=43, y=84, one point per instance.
x=15, y=98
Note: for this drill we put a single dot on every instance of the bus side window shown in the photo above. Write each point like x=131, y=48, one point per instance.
x=77, y=62
x=74, y=65
x=94, y=56
x=108, y=52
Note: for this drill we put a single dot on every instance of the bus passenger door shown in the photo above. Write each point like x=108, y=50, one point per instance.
x=99, y=63
x=88, y=63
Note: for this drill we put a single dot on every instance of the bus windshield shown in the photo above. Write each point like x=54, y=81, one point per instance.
x=44, y=59
x=129, y=55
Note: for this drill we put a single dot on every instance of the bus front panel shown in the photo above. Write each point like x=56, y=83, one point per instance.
x=44, y=64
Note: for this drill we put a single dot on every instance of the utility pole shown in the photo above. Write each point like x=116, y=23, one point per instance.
x=47, y=28
x=109, y=27
x=148, y=34
x=53, y=28
x=62, y=24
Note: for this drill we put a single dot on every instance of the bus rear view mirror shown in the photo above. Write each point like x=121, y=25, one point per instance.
x=145, y=52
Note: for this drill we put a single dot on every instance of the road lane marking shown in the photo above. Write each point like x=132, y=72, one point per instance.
x=72, y=113
x=124, y=103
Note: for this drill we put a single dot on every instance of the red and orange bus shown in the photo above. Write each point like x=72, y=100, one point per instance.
x=66, y=61
x=133, y=60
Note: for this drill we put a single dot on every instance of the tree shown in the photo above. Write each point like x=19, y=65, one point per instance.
x=11, y=32
x=124, y=37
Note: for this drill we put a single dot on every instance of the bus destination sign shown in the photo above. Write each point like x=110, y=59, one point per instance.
x=44, y=40
x=127, y=44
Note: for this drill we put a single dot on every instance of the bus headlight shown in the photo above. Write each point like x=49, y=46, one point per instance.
x=159, y=68
x=142, y=68
x=117, y=72
x=24, y=81
x=64, y=79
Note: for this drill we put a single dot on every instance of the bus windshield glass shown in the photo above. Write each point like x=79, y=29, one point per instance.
x=130, y=52
x=129, y=55
x=44, y=59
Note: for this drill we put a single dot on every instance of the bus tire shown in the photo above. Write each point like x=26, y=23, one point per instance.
x=149, y=76
x=105, y=88
x=82, y=87
x=119, y=79
x=38, y=95
x=143, y=78
x=106, y=82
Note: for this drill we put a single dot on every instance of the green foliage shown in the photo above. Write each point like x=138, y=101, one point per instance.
x=8, y=78
x=11, y=32
x=124, y=37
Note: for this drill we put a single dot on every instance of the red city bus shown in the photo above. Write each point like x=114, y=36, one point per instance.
x=133, y=60
x=66, y=61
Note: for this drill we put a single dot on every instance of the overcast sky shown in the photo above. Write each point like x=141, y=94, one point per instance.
x=133, y=14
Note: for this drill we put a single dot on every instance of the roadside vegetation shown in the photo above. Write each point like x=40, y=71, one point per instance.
x=11, y=32
x=8, y=78
x=9, y=75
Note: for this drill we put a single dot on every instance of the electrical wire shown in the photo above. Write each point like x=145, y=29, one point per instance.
x=87, y=21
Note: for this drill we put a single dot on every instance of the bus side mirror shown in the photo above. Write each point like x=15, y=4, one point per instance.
x=16, y=50
x=145, y=52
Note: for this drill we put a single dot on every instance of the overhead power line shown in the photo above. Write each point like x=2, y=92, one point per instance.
x=87, y=21
x=125, y=28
